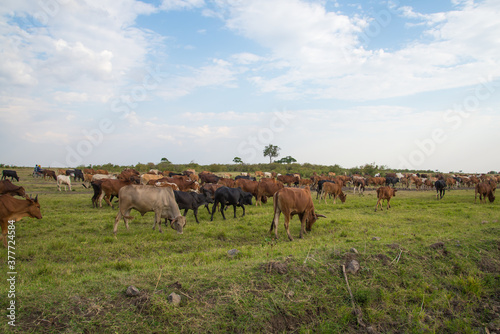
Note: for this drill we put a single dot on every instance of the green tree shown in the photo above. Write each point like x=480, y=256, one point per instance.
x=165, y=160
x=286, y=160
x=237, y=160
x=271, y=151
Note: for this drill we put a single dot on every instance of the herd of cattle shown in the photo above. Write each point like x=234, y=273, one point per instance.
x=166, y=193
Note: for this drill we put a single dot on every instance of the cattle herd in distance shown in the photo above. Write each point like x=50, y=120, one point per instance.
x=167, y=193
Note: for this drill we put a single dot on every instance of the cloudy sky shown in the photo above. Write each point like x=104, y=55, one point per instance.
x=407, y=84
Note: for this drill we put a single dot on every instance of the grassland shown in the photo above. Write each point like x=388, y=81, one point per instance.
x=72, y=273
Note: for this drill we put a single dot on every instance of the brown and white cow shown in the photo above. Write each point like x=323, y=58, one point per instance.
x=290, y=202
x=13, y=209
x=385, y=193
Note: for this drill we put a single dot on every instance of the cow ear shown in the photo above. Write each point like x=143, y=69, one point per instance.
x=320, y=216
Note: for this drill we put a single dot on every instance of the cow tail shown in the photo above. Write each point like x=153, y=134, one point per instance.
x=275, y=205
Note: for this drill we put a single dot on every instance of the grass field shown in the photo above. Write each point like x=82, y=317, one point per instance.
x=72, y=273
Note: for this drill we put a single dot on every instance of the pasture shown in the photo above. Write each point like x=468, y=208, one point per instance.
x=426, y=266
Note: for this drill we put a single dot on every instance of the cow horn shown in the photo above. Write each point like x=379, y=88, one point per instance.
x=322, y=216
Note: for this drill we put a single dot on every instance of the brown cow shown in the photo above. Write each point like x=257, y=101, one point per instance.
x=7, y=187
x=89, y=171
x=166, y=184
x=288, y=179
x=183, y=184
x=294, y=201
x=248, y=186
x=101, y=171
x=111, y=188
x=49, y=173
x=259, y=174
x=267, y=189
x=334, y=189
x=385, y=193
x=227, y=182
x=305, y=182
x=484, y=189
x=451, y=182
x=13, y=209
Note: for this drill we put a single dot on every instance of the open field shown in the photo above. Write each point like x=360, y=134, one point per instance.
x=72, y=273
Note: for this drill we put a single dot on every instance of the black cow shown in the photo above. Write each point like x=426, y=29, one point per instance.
x=192, y=201
x=171, y=174
x=391, y=180
x=440, y=188
x=10, y=173
x=246, y=177
x=79, y=175
x=70, y=172
x=230, y=196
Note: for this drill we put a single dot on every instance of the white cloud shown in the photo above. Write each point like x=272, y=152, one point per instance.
x=181, y=4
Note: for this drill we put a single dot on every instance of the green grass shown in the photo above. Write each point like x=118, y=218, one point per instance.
x=73, y=273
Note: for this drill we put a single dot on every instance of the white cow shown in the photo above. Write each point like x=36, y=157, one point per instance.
x=63, y=179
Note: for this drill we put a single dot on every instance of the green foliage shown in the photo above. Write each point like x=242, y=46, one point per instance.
x=271, y=151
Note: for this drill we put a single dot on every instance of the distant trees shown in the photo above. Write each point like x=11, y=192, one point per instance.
x=286, y=160
x=271, y=151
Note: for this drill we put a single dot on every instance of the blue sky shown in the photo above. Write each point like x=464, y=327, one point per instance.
x=407, y=84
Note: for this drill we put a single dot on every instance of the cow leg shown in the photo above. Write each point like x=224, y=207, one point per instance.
x=334, y=198
x=388, y=203
x=185, y=212
x=287, y=223
x=243, y=207
x=101, y=196
x=214, y=207
x=302, y=218
x=195, y=210
x=234, y=208
x=376, y=206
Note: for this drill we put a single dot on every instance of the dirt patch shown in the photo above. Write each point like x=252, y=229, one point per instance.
x=283, y=323
x=276, y=267
x=489, y=265
x=384, y=258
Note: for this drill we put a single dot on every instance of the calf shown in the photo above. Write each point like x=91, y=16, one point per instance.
x=440, y=188
x=10, y=173
x=484, y=189
x=385, y=193
x=333, y=189
x=230, y=196
x=49, y=173
x=290, y=202
x=192, y=201
x=15, y=209
x=63, y=179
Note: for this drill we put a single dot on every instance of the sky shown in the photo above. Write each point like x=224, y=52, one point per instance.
x=405, y=84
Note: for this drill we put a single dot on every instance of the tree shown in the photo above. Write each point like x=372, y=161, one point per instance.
x=165, y=160
x=286, y=160
x=272, y=151
x=237, y=160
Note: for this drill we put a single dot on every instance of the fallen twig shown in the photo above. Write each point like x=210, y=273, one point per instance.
x=355, y=309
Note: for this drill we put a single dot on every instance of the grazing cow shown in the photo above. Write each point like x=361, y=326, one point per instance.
x=61, y=171
x=288, y=179
x=267, y=189
x=440, y=188
x=305, y=182
x=144, y=198
x=49, y=174
x=391, y=180
x=10, y=173
x=192, y=201
x=359, y=183
x=484, y=189
x=102, y=171
x=375, y=181
x=88, y=171
x=230, y=196
x=290, y=202
x=320, y=186
x=418, y=182
x=63, y=179
x=385, y=193
x=7, y=187
x=15, y=209
x=334, y=189
x=391, y=175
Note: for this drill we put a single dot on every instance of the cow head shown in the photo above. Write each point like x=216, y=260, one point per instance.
x=246, y=198
x=34, y=208
x=342, y=197
x=394, y=192
x=311, y=219
x=178, y=224
x=208, y=195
